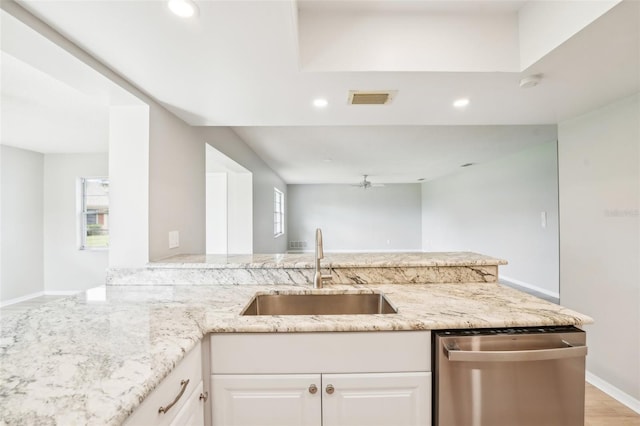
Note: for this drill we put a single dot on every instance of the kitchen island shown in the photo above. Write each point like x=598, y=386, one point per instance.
x=93, y=358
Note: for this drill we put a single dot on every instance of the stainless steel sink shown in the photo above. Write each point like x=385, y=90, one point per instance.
x=319, y=304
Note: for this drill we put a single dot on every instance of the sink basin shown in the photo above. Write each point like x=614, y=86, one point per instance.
x=319, y=304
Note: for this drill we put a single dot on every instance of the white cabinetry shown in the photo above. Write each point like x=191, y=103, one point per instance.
x=192, y=413
x=378, y=399
x=266, y=400
x=379, y=378
x=176, y=401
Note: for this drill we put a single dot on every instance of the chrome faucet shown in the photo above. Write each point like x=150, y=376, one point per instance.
x=318, y=278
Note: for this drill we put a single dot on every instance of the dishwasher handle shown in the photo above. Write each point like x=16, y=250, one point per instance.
x=455, y=354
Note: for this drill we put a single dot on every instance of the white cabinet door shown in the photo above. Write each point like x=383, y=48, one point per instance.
x=192, y=412
x=377, y=399
x=266, y=400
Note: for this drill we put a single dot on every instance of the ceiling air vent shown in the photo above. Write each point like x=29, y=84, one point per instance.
x=379, y=97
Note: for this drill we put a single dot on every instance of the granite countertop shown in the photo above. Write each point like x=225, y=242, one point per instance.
x=333, y=260
x=90, y=359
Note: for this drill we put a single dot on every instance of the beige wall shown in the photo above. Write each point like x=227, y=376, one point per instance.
x=225, y=140
x=599, y=175
x=495, y=208
x=21, y=223
x=65, y=267
x=176, y=185
x=352, y=219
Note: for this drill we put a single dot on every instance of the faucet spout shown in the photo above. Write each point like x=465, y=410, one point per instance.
x=319, y=250
x=318, y=278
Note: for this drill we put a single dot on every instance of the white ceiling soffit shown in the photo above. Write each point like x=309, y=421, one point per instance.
x=39, y=113
x=238, y=64
x=51, y=102
x=388, y=154
x=30, y=47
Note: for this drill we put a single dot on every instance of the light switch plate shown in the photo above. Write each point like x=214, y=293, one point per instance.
x=174, y=239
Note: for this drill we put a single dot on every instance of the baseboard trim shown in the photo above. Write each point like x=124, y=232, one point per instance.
x=21, y=299
x=530, y=287
x=61, y=292
x=614, y=392
x=38, y=294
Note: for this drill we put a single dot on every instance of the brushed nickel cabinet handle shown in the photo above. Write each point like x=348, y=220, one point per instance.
x=313, y=389
x=184, y=384
x=330, y=389
x=204, y=396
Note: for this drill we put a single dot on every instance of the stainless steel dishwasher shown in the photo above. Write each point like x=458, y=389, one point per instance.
x=531, y=376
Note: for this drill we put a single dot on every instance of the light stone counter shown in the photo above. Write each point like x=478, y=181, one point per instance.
x=333, y=260
x=90, y=359
x=345, y=268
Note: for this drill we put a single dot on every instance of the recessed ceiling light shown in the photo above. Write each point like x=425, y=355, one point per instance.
x=468, y=164
x=183, y=8
x=327, y=160
x=320, y=103
x=421, y=180
x=461, y=103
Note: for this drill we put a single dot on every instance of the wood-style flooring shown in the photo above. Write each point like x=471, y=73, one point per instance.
x=600, y=408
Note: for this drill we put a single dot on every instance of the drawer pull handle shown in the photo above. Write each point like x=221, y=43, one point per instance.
x=313, y=389
x=330, y=389
x=184, y=384
x=204, y=396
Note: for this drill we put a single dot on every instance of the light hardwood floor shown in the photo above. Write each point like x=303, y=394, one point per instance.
x=600, y=408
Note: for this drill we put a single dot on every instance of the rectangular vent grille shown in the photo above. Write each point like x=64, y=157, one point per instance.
x=370, y=97
x=297, y=245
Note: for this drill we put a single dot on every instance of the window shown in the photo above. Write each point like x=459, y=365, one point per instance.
x=94, y=213
x=278, y=213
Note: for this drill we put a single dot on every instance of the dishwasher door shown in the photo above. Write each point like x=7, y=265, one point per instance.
x=514, y=377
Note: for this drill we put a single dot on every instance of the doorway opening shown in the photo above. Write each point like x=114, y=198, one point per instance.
x=229, y=205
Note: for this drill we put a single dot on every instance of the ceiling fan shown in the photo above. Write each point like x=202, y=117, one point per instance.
x=365, y=184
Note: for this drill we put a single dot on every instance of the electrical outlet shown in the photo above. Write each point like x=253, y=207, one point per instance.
x=543, y=219
x=174, y=239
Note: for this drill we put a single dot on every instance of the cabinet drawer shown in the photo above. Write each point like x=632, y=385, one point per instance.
x=192, y=413
x=190, y=368
x=344, y=352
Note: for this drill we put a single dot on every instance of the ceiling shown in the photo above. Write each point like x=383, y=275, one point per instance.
x=257, y=66
x=50, y=102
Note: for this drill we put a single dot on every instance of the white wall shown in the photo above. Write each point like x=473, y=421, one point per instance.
x=240, y=213
x=410, y=40
x=265, y=179
x=495, y=208
x=66, y=268
x=128, y=186
x=599, y=164
x=216, y=215
x=21, y=264
x=353, y=219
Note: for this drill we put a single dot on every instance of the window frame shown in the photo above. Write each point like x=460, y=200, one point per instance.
x=278, y=213
x=83, y=214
